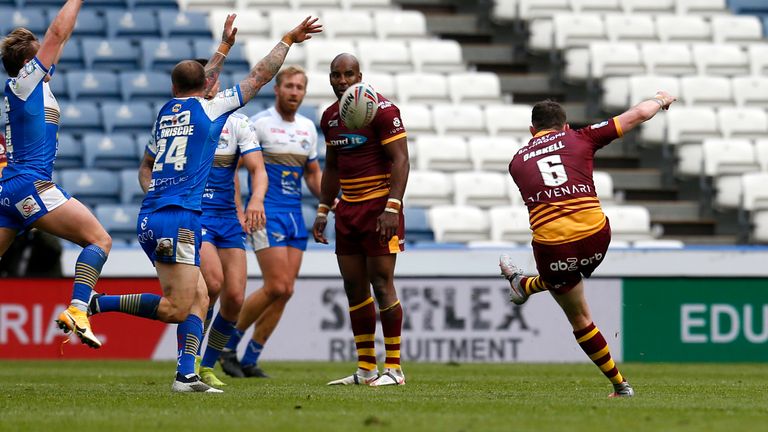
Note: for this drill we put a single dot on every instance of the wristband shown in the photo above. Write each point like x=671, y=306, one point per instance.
x=396, y=201
x=322, y=215
x=323, y=210
x=391, y=210
x=658, y=101
x=224, y=48
x=287, y=43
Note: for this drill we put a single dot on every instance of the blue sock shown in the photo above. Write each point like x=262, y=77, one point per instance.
x=252, y=353
x=234, y=340
x=143, y=305
x=217, y=340
x=206, y=325
x=188, y=336
x=87, y=271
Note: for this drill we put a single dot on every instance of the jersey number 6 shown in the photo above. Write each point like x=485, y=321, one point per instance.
x=552, y=170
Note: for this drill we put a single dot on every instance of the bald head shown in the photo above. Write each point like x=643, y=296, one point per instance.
x=188, y=76
x=345, y=71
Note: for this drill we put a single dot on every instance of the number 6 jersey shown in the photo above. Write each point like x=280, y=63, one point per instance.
x=554, y=175
x=183, y=142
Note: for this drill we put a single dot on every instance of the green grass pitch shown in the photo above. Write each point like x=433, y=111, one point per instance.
x=79, y=396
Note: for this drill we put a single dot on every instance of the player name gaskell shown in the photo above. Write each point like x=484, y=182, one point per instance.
x=548, y=149
x=166, y=132
x=561, y=191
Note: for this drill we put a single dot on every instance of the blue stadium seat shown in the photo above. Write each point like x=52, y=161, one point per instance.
x=92, y=4
x=152, y=86
x=69, y=153
x=119, y=220
x=154, y=4
x=749, y=7
x=31, y=18
x=130, y=117
x=90, y=22
x=310, y=111
x=59, y=86
x=140, y=144
x=92, y=186
x=266, y=92
x=115, y=151
x=417, y=227
x=163, y=54
x=80, y=117
x=93, y=85
x=183, y=23
x=132, y=23
x=110, y=54
x=236, y=60
x=130, y=189
x=71, y=57
x=226, y=80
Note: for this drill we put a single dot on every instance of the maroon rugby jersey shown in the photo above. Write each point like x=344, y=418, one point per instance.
x=3, y=155
x=554, y=175
x=363, y=165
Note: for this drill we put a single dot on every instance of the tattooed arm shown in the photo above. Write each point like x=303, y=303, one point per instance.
x=216, y=62
x=267, y=67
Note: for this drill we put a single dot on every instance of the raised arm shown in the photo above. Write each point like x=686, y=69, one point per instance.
x=644, y=111
x=58, y=33
x=267, y=67
x=216, y=62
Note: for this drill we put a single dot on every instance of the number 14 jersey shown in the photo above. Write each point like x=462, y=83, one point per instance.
x=554, y=175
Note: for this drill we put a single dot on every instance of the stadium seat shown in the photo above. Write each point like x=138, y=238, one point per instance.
x=720, y=59
x=115, y=151
x=668, y=59
x=615, y=94
x=367, y=4
x=758, y=59
x=91, y=186
x=110, y=54
x=256, y=49
x=383, y=83
x=474, y=87
x=59, y=86
x=119, y=220
x=183, y=24
x=153, y=4
x=492, y=153
x=428, y=188
x=687, y=127
x=465, y=119
x=725, y=160
x=80, y=117
x=701, y=7
x=208, y=4
x=750, y=91
x=442, y=56
x=708, y=91
x=572, y=30
x=152, y=86
x=442, y=153
x=603, y=186
x=320, y=4
x=510, y=223
x=69, y=153
x=348, y=24
x=761, y=153
x=628, y=222
x=130, y=189
x=421, y=88
x=682, y=29
x=282, y=21
x=504, y=11
x=131, y=117
x=394, y=24
x=33, y=19
x=320, y=53
x=645, y=86
x=459, y=223
x=749, y=7
x=89, y=23
x=509, y=120
x=72, y=56
x=652, y=7
x=417, y=227
x=481, y=189
x=417, y=118
x=596, y=6
x=319, y=91
x=736, y=29
x=630, y=28
x=132, y=23
x=611, y=59
x=95, y=85
x=384, y=56
x=530, y=9
x=750, y=123
x=163, y=54
x=258, y=25
x=236, y=59
x=755, y=202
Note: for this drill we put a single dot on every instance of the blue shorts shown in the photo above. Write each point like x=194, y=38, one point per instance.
x=25, y=198
x=170, y=235
x=283, y=229
x=224, y=232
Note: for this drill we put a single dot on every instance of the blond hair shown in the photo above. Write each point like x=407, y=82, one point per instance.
x=19, y=45
x=290, y=71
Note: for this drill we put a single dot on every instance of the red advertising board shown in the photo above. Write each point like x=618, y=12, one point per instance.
x=28, y=308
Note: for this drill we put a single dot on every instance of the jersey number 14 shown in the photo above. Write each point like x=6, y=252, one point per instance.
x=175, y=153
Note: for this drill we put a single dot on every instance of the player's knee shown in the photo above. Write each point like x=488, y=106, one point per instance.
x=232, y=301
x=281, y=290
x=214, y=283
x=103, y=240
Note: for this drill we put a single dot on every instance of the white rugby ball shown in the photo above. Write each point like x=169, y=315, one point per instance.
x=358, y=106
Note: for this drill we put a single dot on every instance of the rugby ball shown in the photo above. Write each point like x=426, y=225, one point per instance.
x=358, y=106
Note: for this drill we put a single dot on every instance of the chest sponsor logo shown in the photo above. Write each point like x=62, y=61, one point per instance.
x=333, y=123
x=349, y=141
x=28, y=206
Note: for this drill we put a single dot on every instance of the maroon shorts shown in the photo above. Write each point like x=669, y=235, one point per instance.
x=562, y=266
x=356, y=229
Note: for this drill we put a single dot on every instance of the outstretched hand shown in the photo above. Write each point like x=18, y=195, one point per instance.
x=665, y=98
x=228, y=36
x=304, y=31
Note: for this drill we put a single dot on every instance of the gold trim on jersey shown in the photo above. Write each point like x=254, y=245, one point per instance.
x=616, y=123
x=364, y=188
x=224, y=161
x=566, y=221
x=285, y=159
x=52, y=115
x=393, y=138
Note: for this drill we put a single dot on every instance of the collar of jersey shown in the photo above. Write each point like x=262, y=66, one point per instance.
x=544, y=132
